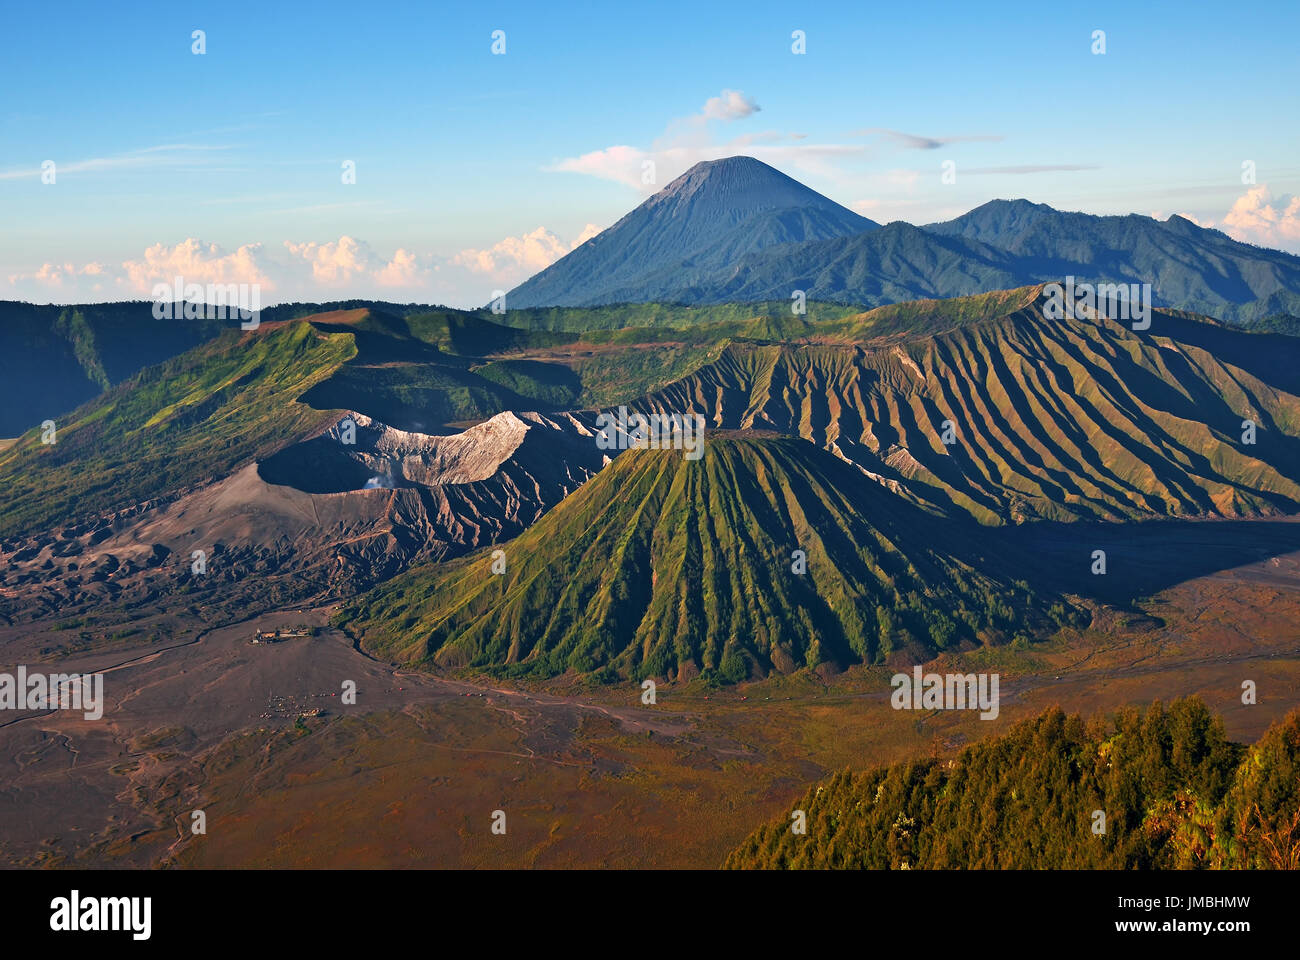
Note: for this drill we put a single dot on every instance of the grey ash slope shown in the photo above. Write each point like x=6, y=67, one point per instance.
x=710, y=216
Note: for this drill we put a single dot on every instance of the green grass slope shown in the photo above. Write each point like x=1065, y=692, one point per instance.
x=195, y=417
x=663, y=566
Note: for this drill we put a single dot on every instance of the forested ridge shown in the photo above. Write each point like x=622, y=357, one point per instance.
x=1174, y=792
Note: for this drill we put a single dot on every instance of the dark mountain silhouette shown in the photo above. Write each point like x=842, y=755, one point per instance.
x=1189, y=267
x=704, y=220
x=735, y=230
x=893, y=264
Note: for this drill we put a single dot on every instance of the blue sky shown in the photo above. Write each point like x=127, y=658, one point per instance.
x=473, y=170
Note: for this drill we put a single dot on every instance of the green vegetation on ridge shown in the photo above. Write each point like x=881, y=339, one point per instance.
x=1174, y=791
x=193, y=418
x=1051, y=419
x=663, y=566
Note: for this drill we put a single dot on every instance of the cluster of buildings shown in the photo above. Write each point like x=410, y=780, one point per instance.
x=283, y=633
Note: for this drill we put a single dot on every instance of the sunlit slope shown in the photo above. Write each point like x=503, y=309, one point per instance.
x=1049, y=418
x=1176, y=794
x=193, y=418
x=663, y=566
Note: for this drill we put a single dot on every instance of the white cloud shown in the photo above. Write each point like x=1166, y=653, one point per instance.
x=66, y=281
x=349, y=264
x=336, y=262
x=54, y=274
x=622, y=164
x=627, y=165
x=514, y=259
x=197, y=262
x=403, y=270
x=304, y=271
x=589, y=231
x=1256, y=217
x=731, y=105
x=689, y=140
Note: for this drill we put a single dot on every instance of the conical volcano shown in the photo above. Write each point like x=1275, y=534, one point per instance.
x=766, y=554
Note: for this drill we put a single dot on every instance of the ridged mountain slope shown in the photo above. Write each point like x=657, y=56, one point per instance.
x=1055, y=419
x=664, y=566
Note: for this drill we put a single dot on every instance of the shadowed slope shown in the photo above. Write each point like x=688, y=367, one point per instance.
x=1192, y=267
